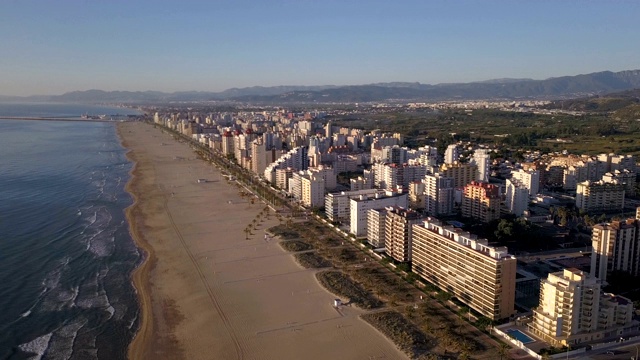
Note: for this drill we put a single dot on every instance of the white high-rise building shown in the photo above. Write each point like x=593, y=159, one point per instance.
x=360, y=206
x=337, y=205
x=616, y=247
x=482, y=159
x=327, y=174
x=599, y=196
x=394, y=177
x=258, y=157
x=429, y=156
x=312, y=189
x=530, y=179
x=574, y=310
x=376, y=219
x=394, y=155
x=439, y=194
x=517, y=197
x=452, y=154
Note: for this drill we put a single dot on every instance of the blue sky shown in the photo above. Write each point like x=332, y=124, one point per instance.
x=50, y=47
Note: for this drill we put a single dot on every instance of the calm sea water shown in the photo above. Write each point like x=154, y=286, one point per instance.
x=65, y=252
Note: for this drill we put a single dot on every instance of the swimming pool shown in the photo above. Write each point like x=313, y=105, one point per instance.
x=519, y=335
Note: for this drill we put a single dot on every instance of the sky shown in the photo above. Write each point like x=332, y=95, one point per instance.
x=51, y=47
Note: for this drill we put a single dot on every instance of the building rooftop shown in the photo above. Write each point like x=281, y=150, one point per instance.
x=467, y=239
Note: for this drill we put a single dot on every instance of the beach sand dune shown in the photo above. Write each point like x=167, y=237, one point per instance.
x=207, y=292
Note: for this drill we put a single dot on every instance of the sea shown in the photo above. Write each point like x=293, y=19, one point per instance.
x=66, y=255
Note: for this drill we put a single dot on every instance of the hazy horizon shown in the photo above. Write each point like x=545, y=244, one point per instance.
x=278, y=85
x=58, y=47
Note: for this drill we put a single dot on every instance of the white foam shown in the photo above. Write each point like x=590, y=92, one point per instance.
x=61, y=344
x=102, y=246
x=98, y=300
x=52, y=279
x=37, y=346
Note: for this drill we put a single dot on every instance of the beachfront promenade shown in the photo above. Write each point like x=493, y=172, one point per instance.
x=207, y=292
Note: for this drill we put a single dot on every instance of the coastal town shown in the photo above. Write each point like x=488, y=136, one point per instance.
x=525, y=249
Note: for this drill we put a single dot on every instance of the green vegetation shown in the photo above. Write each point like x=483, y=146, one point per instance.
x=342, y=285
x=295, y=245
x=591, y=133
x=343, y=255
x=402, y=332
x=552, y=350
x=384, y=284
x=284, y=232
x=311, y=260
x=625, y=284
x=451, y=334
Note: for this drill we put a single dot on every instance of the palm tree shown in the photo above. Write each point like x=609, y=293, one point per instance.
x=247, y=231
x=465, y=350
x=503, y=350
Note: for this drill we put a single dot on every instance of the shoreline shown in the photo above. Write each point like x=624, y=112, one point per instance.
x=140, y=341
x=205, y=293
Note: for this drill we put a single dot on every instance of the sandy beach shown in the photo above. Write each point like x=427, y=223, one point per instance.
x=206, y=292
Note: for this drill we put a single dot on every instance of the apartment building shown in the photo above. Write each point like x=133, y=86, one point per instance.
x=394, y=177
x=438, y=194
x=481, y=201
x=573, y=310
x=481, y=276
x=376, y=219
x=451, y=154
x=599, y=196
x=482, y=160
x=529, y=179
x=337, y=205
x=359, y=206
x=516, y=198
x=624, y=177
x=462, y=174
x=312, y=189
x=397, y=232
x=616, y=247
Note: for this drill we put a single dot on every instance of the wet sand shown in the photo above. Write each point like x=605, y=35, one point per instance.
x=206, y=292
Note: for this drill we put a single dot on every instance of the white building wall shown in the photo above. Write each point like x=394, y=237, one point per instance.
x=359, y=207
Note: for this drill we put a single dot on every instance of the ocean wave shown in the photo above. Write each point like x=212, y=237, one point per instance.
x=102, y=246
x=57, y=299
x=61, y=343
x=96, y=300
x=37, y=346
x=99, y=237
x=52, y=278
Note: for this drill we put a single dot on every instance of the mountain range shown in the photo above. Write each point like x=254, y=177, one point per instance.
x=552, y=88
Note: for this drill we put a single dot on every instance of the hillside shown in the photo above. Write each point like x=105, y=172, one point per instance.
x=624, y=104
x=553, y=88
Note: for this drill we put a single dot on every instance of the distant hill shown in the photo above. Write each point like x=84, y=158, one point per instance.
x=618, y=102
x=553, y=88
x=566, y=86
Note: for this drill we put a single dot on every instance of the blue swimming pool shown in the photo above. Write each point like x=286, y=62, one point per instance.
x=519, y=335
